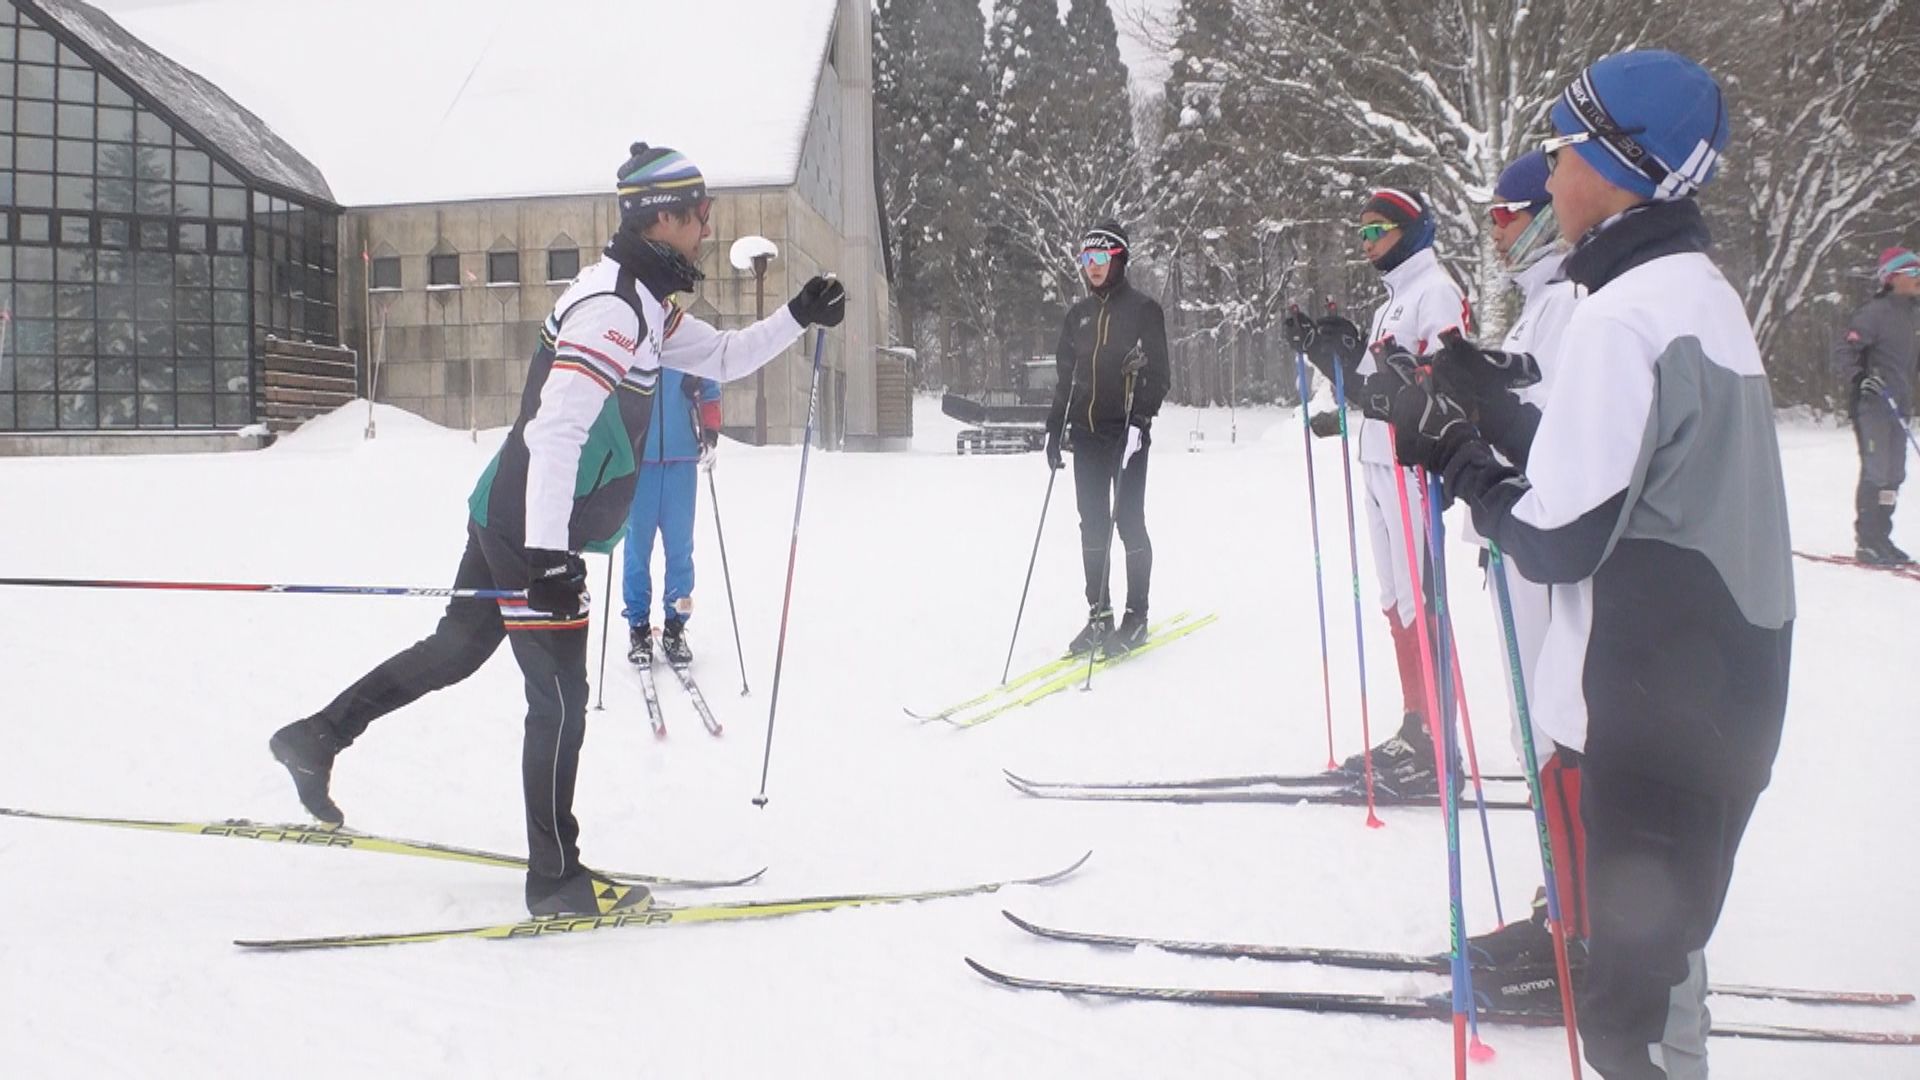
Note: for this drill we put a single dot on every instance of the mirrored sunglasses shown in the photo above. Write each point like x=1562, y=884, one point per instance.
x=1503, y=213
x=1374, y=230
x=1095, y=258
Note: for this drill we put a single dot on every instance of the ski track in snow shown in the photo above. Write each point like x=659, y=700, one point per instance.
x=116, y=960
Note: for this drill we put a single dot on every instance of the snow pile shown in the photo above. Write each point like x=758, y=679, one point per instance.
x=149, y=704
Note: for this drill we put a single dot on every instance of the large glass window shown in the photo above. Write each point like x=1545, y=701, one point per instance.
x=137, y=270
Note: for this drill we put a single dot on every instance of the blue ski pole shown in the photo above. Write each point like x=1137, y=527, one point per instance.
x=1353, y=559
x=1530, y=759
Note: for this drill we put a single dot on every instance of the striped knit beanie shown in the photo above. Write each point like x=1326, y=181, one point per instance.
x=1658, y=119
x=655, y=179
x=1409, y=211
x=1893, y=261
x=1107, y=236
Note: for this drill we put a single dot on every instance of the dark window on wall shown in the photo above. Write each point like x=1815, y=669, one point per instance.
x=563, y=264
x=503, y=268
x=385, y=273
x=443, y=270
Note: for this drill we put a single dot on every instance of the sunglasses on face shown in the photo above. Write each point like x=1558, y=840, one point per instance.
x=1552, y=147
x=1095, y=258
x=1374, y=230
x=1910, y=271
x=1504, y=213
x=703, y=210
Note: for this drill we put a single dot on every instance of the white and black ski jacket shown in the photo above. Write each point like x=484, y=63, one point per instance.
x=1422, y=300
x=1653, y=503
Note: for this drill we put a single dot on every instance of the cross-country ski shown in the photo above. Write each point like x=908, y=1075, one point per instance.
x=1421, y=489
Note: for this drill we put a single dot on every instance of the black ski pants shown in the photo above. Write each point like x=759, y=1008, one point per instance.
x=1659, y=860
x=554, y=665
x=1109, y=497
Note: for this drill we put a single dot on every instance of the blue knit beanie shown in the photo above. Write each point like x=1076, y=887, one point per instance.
x=1659, y=121
x=1525, y=181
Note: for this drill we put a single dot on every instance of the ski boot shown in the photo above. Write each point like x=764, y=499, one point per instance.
x=583, y=893
x=1523, y=945
x=1128, y=636
x=307, y=749
x=673, y=643
x=1410, y=750
x=1094, y=634
x=640, y=645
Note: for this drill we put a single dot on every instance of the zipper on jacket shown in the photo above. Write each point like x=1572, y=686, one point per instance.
x=1101, y=326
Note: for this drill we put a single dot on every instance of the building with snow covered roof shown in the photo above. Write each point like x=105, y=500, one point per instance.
x=468, y=149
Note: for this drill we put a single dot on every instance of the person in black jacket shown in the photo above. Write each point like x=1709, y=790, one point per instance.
x=1112, y=361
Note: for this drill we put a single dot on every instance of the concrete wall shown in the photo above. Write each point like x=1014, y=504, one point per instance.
x=438, y=343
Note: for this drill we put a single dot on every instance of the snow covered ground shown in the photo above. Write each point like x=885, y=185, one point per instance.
x=115, y=954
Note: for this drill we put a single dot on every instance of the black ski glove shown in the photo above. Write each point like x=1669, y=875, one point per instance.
x=1871, y=386
x=1474, y=371
x=691, y=386
x=1375, y=393
x=1429, y=427
x=557, y=582
x=1325, y=425
x=1336, y=340
x=1300, y=330
x=821, y=301
x=1054, y=458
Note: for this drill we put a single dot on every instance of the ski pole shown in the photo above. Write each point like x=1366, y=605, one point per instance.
x=1449, y=745
x=1530, y=759
x=793, y=555
x=1473, y=764
x=1353, y=559
x=1052, y=475
x=1313, y=517
x=1904, y=429
x=241, y=587
x=726, y=575
x=1430, y=687
x=606, y=624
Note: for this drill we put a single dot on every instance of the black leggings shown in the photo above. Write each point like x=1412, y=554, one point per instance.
x=1096, y=461
x=553, y=663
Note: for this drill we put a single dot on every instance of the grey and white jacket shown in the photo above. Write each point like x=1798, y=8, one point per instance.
x=1654, y=506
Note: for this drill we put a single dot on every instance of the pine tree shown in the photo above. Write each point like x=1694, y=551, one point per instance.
x=930, y=120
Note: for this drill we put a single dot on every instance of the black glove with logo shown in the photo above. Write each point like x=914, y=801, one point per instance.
x=1054, y=458
x=1324, y=425
x=557, y=582
x=1375, y=393
x=820, y=302
x=1475, y=371
x=1429, y=427
x=1336, y=340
